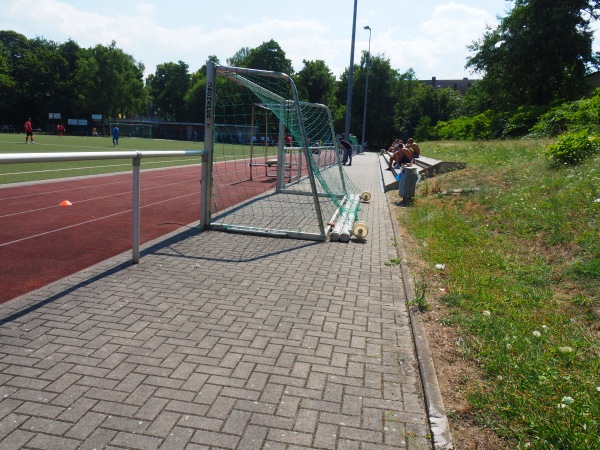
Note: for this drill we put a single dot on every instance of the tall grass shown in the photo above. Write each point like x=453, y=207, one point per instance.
x=522, y=268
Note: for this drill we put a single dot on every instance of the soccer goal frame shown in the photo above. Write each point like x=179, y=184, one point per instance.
x=308, y=188
x=133, y=129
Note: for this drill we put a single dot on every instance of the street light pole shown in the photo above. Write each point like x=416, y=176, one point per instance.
x=350, y=77
x=362, y=142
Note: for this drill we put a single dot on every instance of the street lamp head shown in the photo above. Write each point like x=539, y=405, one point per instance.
x=367, y=27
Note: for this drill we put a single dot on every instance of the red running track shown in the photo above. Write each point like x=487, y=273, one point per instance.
x=41, y=241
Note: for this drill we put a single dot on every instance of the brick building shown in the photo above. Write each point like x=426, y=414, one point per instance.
x=459, y=85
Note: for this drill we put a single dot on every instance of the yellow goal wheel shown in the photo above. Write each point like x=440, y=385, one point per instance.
x=365, y=196
x=360, y=230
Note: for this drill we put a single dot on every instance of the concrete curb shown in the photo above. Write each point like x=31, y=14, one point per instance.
x=434, y=404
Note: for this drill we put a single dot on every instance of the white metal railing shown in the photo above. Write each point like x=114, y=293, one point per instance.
x=135, y=156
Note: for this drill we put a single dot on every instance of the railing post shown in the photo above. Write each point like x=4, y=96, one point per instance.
x=135, y=244
x=207, y=157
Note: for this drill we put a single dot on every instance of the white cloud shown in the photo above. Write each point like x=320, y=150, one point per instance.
x=431, y=38
x=145, y=9
x=443, y=37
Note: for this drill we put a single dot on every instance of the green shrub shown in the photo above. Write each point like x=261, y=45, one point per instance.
x=474, y=128
x=570, y=116
x=522, y=121
x=572, y=148
x=424, y=129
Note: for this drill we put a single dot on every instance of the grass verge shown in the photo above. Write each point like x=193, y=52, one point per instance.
x=520, y=285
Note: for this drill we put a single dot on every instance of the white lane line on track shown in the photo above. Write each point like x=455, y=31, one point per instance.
x=91, y=186
x=115, y=194
x=90, y=221
x=95, y=167
x=145, y=178
x=122, y=212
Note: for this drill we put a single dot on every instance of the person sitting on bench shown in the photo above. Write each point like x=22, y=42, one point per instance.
x=403, y=155
x=392, y=147
x=414, y=147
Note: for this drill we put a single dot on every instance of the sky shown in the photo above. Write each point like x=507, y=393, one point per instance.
x=429, y=36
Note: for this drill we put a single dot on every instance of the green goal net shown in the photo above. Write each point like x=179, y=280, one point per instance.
x=273, y=164
x=133, y=130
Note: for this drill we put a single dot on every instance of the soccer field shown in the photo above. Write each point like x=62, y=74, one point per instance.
x=18, y=173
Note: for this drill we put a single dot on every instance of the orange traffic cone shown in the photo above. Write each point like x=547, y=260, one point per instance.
x=66, y=203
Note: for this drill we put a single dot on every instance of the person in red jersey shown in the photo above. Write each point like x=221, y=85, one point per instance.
x=28, y=131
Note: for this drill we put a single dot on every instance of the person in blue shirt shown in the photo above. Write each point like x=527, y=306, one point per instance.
x=115, y=136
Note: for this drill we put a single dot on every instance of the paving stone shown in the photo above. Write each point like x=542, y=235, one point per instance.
x=253, y=438
x=219, y=340
x=136, y=441
x=326, y=436
x=11, y=423
x=86, y=425
x=178, y=438
x=17, y=439
x=43, y=441
x=219, y=440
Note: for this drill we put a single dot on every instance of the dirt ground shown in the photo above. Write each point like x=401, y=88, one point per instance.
x=456, y=376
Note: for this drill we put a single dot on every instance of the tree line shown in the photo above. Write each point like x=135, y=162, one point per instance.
x=537, y=57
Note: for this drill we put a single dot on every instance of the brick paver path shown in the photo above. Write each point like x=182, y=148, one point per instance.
x=220, y=340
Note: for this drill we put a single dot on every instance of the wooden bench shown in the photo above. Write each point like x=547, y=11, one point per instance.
x=427, y=168
x=272, y=161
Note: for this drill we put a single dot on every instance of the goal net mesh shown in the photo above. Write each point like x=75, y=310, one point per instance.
x=133, y=130
x=275, y=161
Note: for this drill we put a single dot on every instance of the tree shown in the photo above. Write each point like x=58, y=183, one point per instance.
x=476, y=100
x=111, y=82
x=437, y=104
x=267, y=56
x=407, y=83
x=383, y=86
x=316, y=82
x=67, y=87
x=8, y=84
x=201, y=73
x=32, y=65
x=168, y=88
x=195, y=100
x=539, y=53
x=237, y=60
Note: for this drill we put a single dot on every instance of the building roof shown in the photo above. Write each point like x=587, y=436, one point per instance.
x=460, y=85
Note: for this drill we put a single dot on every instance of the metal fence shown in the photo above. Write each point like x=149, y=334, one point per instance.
x=135, y=156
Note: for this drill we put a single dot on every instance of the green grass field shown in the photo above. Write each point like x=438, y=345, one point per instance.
x=17, y=173
x=521, y=285
x=15, y=143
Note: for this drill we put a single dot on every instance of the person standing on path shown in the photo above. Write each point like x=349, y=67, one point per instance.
x=347, y=146
x=115, y=136
x=28, y=131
